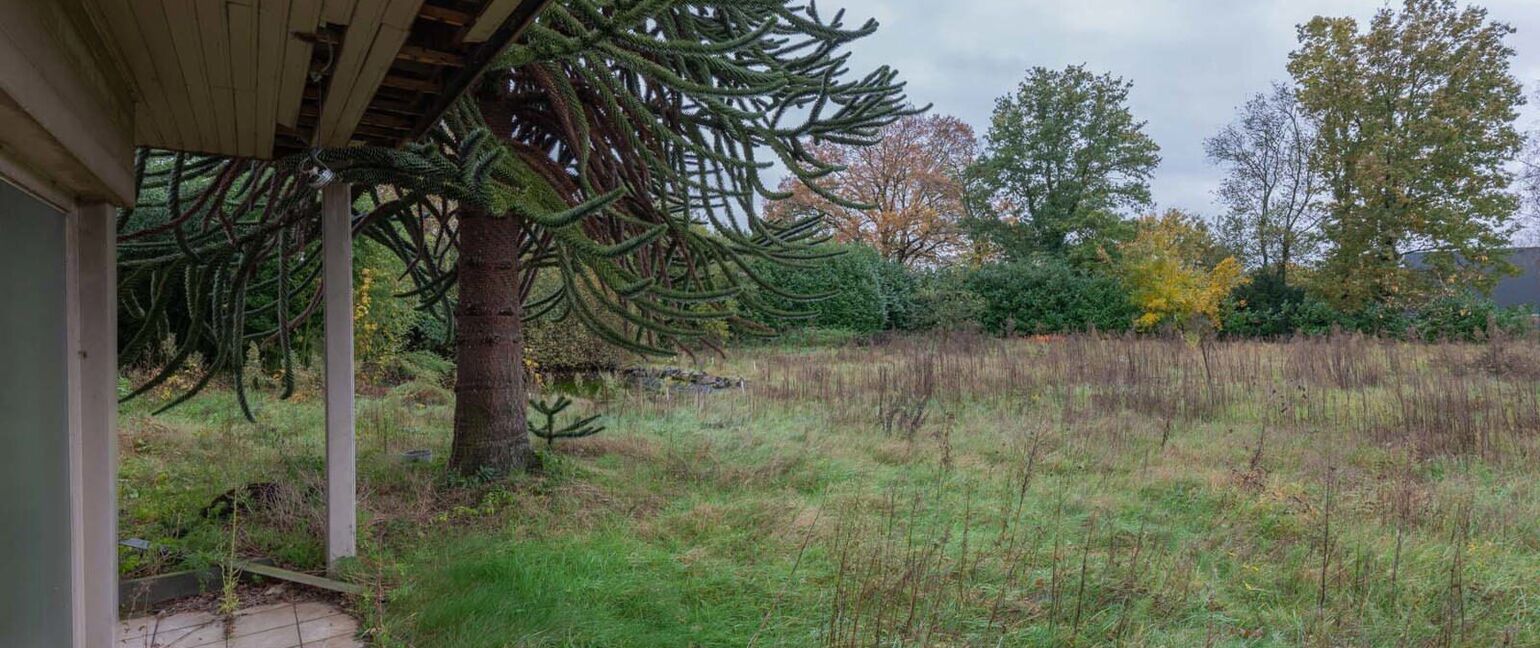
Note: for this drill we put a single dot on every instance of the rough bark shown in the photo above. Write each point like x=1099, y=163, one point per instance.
x=491, y=435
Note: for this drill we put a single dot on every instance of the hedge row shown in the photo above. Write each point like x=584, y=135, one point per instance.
x=872, y=295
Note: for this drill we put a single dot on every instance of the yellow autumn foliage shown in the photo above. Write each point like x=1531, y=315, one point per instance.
x=1167, y=269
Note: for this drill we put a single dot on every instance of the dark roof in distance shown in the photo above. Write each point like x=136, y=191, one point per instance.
x=1522, y=289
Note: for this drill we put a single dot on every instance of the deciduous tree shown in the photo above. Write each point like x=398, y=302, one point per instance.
x=1172, y=273
x=1529, y=189
x=1271, y=188
x=909, y=188
x=1063, y=158
x=1416, y=118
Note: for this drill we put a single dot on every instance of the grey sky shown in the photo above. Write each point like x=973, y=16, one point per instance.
x=1192, y=61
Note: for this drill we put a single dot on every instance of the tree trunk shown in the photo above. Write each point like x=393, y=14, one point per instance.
x=490, y=431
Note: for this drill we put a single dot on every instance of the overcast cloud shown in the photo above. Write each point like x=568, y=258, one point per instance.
x=1192, y=61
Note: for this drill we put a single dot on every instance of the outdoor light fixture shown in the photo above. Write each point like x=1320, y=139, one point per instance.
x=320, y=174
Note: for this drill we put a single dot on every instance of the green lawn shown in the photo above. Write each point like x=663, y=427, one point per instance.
x=952, y=492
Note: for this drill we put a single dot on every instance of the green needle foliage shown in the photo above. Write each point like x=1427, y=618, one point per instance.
x=550, y=411
x=628, y=138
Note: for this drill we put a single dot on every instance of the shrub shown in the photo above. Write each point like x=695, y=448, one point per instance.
x=1172, y=274
x=948, y=310
x=853, y=279
x=1467, y=317
x=1266, y=307
x=1049, y=298
x=815, y=337
x=382, y=318
x=556, y=344
x=899, y=286
x=942, y=301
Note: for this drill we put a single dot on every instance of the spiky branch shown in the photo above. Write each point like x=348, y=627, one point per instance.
x=630, y=140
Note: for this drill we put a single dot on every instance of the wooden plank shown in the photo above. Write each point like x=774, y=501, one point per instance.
x=152, y=113
x=386, y=121
x=381, y=55
x=243, y=67
x=396, y=22
x=401, y=13
x=309, y=580
x=430, y=56
x=246, y=119
x=182, y=19
x=340, y=12
x=380, y=136
x=341, y=438
x=304, y=16
x=356, y=44
x=272, y=41
x=92, y=323
x=229, y=131
x=491, y=18
x=144, y=128
x=215, y=35
x=399, y=124
x=103, y=50
x=443, y=15
x=214, y=31
x=407, y=83
x=155, y=37
x=457, y=83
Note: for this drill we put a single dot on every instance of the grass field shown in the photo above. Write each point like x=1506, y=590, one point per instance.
x=928, y=492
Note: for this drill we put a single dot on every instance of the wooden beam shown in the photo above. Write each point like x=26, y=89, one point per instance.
x=408, y=83
x=187, y=47
x=402, y=124
x=417, y=54
x=152, y=113
x=381, y=103
x=214, y=32
x=357, y=43
x=155, y=37
x=272, y=41
x=142, y=596
x=91, y=310
x=444, y=15
x=476, y=63
x=491, y=19
x=304, y=16
x=341, y=445
x=308, y=580
x=378, y=135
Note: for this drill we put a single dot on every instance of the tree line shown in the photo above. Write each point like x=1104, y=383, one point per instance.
x=1383, y=182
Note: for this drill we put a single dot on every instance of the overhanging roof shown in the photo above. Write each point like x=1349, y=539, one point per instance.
x=262, y=78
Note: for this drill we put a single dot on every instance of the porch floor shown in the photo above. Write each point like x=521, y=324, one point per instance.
x=307, y=624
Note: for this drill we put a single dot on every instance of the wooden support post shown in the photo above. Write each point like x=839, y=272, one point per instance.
x=341, y=450
x=92, y=323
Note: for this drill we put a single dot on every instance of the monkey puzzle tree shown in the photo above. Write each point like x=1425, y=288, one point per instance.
x=620, y=147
